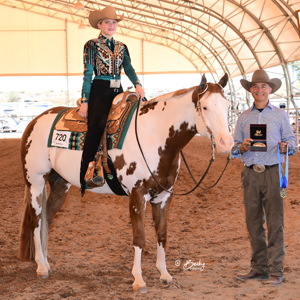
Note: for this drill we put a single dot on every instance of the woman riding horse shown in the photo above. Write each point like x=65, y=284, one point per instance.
x=105, y=57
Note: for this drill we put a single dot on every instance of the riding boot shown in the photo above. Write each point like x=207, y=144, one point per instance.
x=94, y=176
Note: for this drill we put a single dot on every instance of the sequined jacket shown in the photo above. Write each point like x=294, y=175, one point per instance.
x=105, y=59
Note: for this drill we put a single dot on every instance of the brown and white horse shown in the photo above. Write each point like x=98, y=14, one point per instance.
x=165, y=125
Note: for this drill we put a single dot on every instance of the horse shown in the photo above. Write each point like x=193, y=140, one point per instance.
x=165, y=125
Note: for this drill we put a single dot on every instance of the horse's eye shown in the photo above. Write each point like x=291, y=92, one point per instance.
x=205, y=108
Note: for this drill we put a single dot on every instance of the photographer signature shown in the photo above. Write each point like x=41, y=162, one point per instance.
x=189, y=265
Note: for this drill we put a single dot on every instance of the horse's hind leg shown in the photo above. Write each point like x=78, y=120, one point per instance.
x=159, y=213
x=37, y=217
x=137, y=215
x=31, y=231
x=59, y=188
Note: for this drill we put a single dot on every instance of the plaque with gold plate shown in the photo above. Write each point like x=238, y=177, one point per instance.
x=258, y=133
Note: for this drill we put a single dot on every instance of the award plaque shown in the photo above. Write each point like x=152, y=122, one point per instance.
x=258, y=133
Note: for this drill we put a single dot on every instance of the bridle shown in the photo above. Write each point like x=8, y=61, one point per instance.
x=200, y=110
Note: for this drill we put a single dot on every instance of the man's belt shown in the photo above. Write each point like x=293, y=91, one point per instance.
x=260, y=168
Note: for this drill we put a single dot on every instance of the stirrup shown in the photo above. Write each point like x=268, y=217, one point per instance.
x=91, y=180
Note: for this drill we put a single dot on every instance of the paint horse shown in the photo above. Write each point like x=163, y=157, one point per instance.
x=165, y=126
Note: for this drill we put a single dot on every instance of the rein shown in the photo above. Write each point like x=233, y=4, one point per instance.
x=210, y=162
x=185, y=162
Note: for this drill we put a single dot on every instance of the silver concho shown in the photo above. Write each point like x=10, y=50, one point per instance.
x=258, y=168
x=115, y=83
x=283, y=193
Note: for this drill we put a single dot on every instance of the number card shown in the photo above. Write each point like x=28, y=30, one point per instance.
x=61, y=138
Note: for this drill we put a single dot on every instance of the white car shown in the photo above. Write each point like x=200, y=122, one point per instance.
x=12, y=125
x=8, y=126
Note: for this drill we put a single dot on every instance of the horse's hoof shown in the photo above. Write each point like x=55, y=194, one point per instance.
x=141, y=290
x=166, y=281
x=42, y=274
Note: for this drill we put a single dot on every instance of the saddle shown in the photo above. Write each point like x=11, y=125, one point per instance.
x=117, y=119
x=118, y=115
x=71, y=120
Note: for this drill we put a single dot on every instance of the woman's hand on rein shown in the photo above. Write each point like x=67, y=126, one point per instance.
x=139, y=91
x=83, y=110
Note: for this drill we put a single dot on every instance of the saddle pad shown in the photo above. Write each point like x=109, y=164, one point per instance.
x=66, y=139
x=67, y=130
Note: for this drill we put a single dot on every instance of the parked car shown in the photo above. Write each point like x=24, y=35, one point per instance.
x=27, y=109
x=6, y=126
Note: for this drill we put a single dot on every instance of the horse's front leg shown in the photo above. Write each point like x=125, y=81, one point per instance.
x=137, y=214
x=159, y=213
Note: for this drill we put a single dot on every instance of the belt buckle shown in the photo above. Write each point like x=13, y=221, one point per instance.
x=259, y=168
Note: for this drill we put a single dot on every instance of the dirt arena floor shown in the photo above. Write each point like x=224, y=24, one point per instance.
x=90, y=241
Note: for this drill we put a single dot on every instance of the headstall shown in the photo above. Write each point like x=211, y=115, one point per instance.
x=200, y=111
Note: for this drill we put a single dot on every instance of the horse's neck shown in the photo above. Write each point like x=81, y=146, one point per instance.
x=173, y=122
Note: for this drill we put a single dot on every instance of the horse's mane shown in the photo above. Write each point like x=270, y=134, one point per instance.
x=212, y=88
x=168, y=96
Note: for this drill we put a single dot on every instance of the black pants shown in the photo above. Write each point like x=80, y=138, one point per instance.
x=100, y=101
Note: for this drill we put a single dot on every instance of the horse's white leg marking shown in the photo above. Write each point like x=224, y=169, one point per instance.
x=42, y=270
x=161, y=266
x=139, y=284
x=37, y=194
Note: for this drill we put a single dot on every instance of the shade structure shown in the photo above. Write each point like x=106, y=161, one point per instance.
x=236, y=37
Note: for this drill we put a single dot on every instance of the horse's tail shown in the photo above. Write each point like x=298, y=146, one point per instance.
x=29, y=220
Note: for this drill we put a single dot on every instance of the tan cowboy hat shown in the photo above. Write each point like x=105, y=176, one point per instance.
x=261, y=76
x=108, y=12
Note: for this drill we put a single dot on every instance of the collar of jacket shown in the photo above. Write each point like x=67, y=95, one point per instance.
x=104, y=40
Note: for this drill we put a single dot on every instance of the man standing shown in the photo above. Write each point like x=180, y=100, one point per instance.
x=260, y=177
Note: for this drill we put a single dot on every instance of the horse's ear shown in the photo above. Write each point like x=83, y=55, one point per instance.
x=223, y=81
x=203, y=82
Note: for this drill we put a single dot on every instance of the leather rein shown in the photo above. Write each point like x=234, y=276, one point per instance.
x=199, y=108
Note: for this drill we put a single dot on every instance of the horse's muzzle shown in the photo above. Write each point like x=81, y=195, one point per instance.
x=224, y=144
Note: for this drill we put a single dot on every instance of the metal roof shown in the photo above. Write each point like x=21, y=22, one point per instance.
x=216, y=36
x=236, y=37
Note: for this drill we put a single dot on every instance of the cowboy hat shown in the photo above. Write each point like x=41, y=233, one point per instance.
x=108, y=12
x=261, y=76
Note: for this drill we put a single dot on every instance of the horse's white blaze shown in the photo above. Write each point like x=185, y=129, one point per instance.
x=137, y=269
x=161, y=263
x=216, y=121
